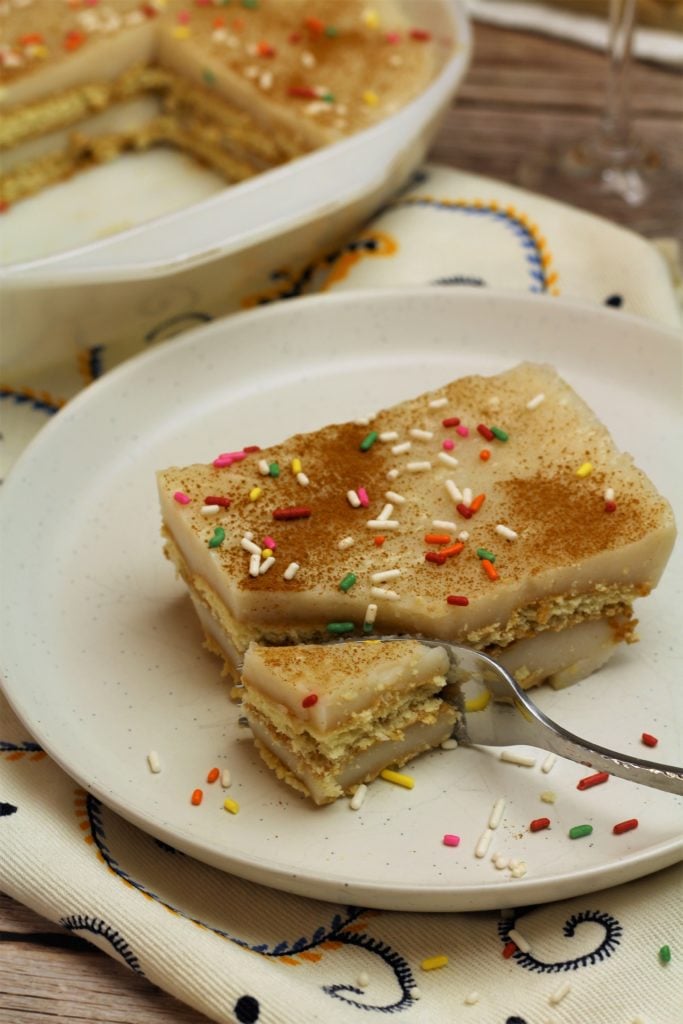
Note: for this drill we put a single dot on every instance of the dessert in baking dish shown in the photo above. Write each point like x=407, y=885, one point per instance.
x=495, y=512
x=241, y=86
x=327, y=718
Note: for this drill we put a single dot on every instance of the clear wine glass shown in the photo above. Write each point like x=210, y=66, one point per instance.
x=610, y=171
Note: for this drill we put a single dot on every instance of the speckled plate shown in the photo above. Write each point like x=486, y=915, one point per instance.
x=102, y=656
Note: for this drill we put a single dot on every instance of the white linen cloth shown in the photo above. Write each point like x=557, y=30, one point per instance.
x=242, y=953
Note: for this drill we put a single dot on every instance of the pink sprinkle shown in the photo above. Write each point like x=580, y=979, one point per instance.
x=393, y=37
x=227, y=459
x=268, y=542
x=451, y=840
x=448, y=444
x=183, y=17
x=463, y=431
x=182, y=498
x=363, y=497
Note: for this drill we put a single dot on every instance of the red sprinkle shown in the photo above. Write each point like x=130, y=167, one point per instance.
x=213, y=775
x=304, y=92
x=538, y=824
x=625, y=826
x=649, y=740
x=213, y=499
x=293, y=512
x=458, y=599
x=265, y=49
x=420, y=34
x=249, y=448
x=197, y=797
x=610, y=506
x=379, y=541
x=451, y=421
x=592, y=780
x=464, y=511
x=310, y=700
x=509, y=949
x=315, y=25
x=485, y=432
x=435, y=556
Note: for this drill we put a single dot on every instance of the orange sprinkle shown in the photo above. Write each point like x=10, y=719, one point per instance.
x=379, y=541
x=213, y=775
x=265, y=49
x=437, y=538
x=315, y=25
x=73, y=40
x=484, y=455
x=477, y=502
x=30, y=38
x=489, y=569
x=454, y=549
x=197, y=797
x=219, y=21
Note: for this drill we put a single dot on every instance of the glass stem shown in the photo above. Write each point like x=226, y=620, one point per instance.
x=616, y=119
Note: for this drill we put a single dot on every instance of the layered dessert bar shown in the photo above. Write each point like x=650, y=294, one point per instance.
x=494, y=512
x=241, y=86
x=326, y=718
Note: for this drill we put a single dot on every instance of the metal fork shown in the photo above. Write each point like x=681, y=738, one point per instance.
x=512, y=718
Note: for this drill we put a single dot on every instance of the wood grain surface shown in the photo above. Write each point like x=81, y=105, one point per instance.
x=523, y=92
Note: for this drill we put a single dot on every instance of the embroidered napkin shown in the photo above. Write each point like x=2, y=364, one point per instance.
x=242, y=953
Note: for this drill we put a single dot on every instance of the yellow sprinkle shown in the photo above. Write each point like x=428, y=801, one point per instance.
x=231, y=805
x=398, y=778
x=585, y=470
x=371, y=98
x=296, y=466
x=180, y=32
x=267, y=553
x=548, y=797
x=371, y=18
x=255, y=493
x=479, y=702
x=433, y=963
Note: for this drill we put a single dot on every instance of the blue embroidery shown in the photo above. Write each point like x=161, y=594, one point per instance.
x=393, y=960
x=7, y=809
x=247, y=1010
x=28, y=746
x=175, y=324
x=612, y=938
x=96, y=926
x=26, y=396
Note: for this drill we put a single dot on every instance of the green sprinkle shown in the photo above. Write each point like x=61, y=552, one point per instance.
x=368, y=441
x=274, y=469
x=251, y=5
x=208, y=76
x=347, y=582
x=331, y=31
x=328, y=97
x=218, y=537
x=485, y=553
x=500, y=434
x=368, y=627
x=340, y=627
x=578, y=831
x=665, y=954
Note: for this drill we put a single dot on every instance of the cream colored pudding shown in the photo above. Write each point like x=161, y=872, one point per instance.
x=495, y=512
x=242, y=87
x=327, y=718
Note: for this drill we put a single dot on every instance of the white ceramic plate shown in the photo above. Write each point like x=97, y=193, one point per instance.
x=102, y=656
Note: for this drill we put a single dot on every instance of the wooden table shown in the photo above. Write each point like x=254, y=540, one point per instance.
x=522, y=92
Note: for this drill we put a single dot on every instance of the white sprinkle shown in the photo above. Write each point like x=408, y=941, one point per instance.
x=353, y=499
x=389, y=435
x=519, y=940
x=444, y=524
x=453, y=490
x=506, y=532
x=548, y=763
x=393, y=473
x=248, y=535
x=265, y=564
x=514, y=863
x=418, y=467
x=291, y=570
x=421, y=435
x=467, y=496
x=226, y=778
x=463, y=535
x=210, y=510
x=345, y=543
x=255, y=564
x=154, y=762
x=388, y=574
x=449, y=744
x=382, y=524
x=363, y=979
x=307, y=59
x=448, y=460
x=358, y=797
x=472, y=998
x=493, y=402
x=393, y=496
x=388, y=595
x=249, y=546
x=609, y=494
x=266, y=80
x=437, y=403
x=386, y=512
x=519, y=871
x=496, y=813
x=370, y=614
x=513, y=758
x=263, y=467
x=363, y=421
x=415, y=993
x=500, y=861
x=548, y=797
x=534, y=402
x=560, y=993
x=302, y=479
x=484, y=841
x=251, y=71
x=399, y=449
